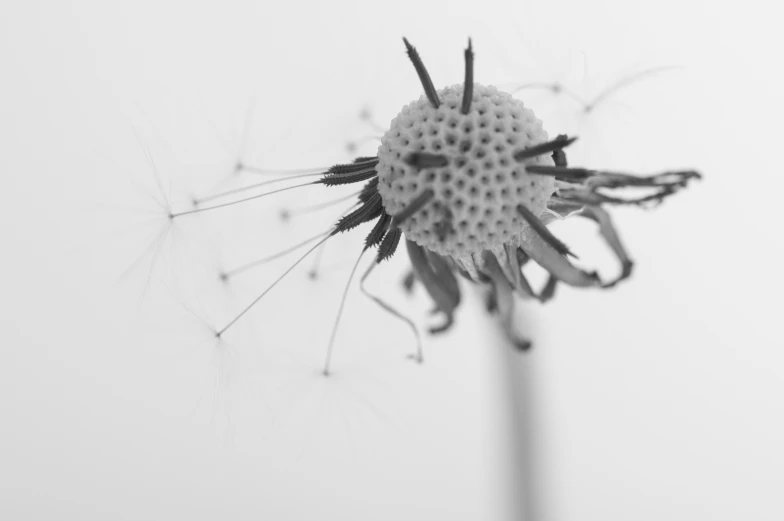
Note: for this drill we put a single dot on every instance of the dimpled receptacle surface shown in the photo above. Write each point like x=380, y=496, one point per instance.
x=478, y=190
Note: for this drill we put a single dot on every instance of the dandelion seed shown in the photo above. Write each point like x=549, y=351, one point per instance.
x=469, y=179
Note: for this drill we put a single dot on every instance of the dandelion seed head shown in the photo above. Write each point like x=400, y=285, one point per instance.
x=467, y=179
x=480, y=183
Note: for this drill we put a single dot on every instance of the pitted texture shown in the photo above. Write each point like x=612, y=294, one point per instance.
x=477, y=192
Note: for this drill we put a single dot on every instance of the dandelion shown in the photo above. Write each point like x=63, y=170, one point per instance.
x=468, y=179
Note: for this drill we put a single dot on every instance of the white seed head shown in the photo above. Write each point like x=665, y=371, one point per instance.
x=480, y=187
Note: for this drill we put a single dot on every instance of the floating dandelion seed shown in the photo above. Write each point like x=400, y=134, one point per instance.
x=468, y=178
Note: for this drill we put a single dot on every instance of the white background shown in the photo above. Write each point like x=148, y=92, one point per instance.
x=661, y=399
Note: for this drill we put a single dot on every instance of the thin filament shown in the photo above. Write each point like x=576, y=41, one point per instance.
x=314, y=271
x=271, y=171
x=419, y=356
x=316, y=207
x=234, y=321
x=255, y=185
x=252, y=264
x=197, y=210
x=340, y=313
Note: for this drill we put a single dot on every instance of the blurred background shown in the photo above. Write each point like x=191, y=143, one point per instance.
x=660, y=399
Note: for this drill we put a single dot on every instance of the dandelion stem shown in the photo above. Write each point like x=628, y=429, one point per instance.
x=517, y=379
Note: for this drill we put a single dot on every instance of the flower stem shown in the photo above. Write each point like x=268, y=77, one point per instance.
x=516, y=377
